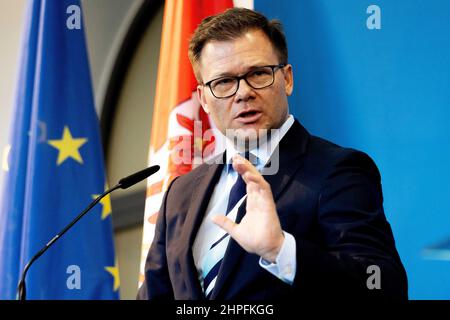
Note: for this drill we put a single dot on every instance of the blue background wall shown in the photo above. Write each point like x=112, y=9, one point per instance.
x=386, y=92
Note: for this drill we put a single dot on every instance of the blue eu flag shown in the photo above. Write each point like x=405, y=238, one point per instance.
x=55, y=167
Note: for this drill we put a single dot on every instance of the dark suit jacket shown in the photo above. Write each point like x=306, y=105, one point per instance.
x=328, y=197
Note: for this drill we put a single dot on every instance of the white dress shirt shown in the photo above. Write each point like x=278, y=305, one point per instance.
x=285, y=265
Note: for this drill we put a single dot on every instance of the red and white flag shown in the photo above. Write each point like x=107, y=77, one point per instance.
x=177, y=112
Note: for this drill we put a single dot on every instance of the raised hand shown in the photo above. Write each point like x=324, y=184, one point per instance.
x=259, y=231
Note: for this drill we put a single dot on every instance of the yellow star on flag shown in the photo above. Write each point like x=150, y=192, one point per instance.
x=68, y=147
x=106, y=204
x=114, y=271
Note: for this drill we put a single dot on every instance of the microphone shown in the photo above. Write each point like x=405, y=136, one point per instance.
x=137, y=177
x=123, y=183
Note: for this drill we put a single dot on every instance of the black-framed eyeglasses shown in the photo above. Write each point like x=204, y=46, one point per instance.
x=257, y=78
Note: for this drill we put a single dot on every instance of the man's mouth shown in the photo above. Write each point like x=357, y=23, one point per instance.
x=247, y=117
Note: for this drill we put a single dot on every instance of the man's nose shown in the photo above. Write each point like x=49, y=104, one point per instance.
x=244, y=91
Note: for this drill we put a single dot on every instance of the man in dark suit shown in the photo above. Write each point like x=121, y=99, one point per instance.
x=294, y=217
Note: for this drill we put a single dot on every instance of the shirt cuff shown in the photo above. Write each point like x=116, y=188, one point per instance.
x=285, y=265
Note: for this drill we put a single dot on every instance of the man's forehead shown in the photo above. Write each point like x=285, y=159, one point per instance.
x=251, y=49
x=245, y=42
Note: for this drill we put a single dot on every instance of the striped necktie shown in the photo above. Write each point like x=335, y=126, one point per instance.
x=214, y=257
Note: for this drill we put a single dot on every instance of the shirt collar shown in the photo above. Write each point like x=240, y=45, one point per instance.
x=265, y=148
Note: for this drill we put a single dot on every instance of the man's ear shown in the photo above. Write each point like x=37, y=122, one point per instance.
x=201, y=98
x=288, y=79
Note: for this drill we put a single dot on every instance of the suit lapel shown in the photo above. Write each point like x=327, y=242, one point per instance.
x=289, y=152
x=203, y=188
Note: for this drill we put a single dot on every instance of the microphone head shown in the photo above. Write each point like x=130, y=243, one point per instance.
x=127, y=182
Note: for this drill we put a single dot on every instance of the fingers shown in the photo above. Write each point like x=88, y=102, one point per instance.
x=249, y=173
x=242, y=165
x=252, y=187
x=225, y=223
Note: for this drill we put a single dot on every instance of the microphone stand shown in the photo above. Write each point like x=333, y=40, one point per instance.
x=21, y=288
x=123, y=183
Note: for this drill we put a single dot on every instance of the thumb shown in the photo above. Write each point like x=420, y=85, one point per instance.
x=225, y=223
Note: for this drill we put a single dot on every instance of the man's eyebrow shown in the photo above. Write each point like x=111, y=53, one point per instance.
x=224, y=74
x=230, y=74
